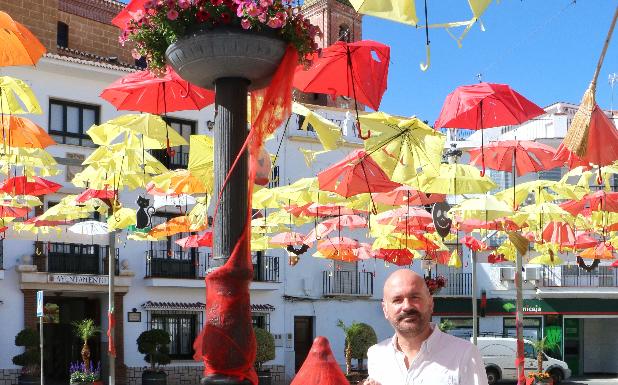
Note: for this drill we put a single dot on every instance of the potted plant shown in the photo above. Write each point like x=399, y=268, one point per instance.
x=435, y=284
x=540, y=346
x=162, y=27
x=30, y=359
x=265, y=352
x=359, y=337
x=85, y=375
x=446, y=325
x=154, y=344
x=85, y=330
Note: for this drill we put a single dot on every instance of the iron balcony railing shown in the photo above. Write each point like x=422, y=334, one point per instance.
x=458, y=283
x=574, y=276
x=78, y=259
x=347, y=283
x=176, y=264
x=178, y=160
x=266, y=269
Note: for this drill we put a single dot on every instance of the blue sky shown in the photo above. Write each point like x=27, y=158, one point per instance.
x=545, y=49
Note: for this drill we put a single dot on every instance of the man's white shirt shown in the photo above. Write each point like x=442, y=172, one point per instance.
x=442, y=360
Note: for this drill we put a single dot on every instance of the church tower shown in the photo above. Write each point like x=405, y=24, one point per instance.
x=337, y=21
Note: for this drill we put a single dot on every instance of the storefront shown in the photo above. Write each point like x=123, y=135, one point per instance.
x=583, y=329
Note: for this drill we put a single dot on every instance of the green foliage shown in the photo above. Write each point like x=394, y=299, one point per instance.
x=265, y=346
x=31, y=358
x=446, y=325
x=154, y=344
x=543, y=345
x=85, y=329
x=360, y=337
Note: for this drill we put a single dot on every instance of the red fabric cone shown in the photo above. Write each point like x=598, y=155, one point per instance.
x=320, y=366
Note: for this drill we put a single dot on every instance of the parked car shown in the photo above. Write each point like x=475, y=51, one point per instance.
x=499, y=357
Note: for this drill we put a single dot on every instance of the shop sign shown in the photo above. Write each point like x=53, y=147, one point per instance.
x=79, y=279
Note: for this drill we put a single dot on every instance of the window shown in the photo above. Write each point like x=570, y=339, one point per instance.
x=532, y=327
x=261, y=320
x=62, y=35
x=185, y=128
x=182, y=327
x=69, y=121
x=344, y=33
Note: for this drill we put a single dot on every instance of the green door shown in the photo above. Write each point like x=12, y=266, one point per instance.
x=572, y=344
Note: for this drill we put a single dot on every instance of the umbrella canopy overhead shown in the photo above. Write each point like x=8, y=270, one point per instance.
x=357, y=173
x=94, y=193
x=89, y=228
x=22, y=132
x=358, y=70
x=528, y=156
x=16, y=97
x=402, y=147
x=455, y=179
x=18, y=46
x=22, y=185
x=407, y=195
x=144, y=91
x=485, y=208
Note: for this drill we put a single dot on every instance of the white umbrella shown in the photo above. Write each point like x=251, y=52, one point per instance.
x=89, y=228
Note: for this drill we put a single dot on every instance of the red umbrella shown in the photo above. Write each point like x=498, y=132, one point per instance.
x=358, y=70
x=399, y=257
x=356, y=174
x=287, y=238
x=560, y=233
x=407, y=195
x=21, y=185
x=602, y=147
x=124, y=16
x=145, y=92
x=197, y=240
x=329, y=209
x=473, y=244
x=583, y=241
x=44, y=222
x=13, y=212
x=93, y=193
x=598, y=201
x=528, y=156
x=485, y=105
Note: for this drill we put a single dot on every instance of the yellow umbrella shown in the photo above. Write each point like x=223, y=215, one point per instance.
x=198, y=216
x=539, y=214
x=177, y=182
x=34, y=161
x=403, y=147
x=99, y=178
x=19, y=200
x=121, y=219
x=546, y=259
x=201, y=156
x=329, y=134
x=16, y=97
x=266, y=198
x=455, y=179
x=120, y=158
x=401, y=11
x=282, y=217
x=139, y=236
x=487, y=208
x=140, y=130
x=507, y=248
x=259, y=243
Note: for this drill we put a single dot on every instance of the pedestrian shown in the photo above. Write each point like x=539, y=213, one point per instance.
x=419, y=353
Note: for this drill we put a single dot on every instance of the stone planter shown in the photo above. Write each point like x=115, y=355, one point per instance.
x=154, y=378
x=204, y=56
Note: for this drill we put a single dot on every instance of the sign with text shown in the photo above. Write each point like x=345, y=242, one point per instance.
x=79, y=279
x=39, y=303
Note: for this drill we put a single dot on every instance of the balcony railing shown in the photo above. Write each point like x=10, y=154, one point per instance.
x=573, y=276
x=176, y=264
x=347, y=283
x=266, y=269
x=179, y=160
x=78, y=259
x=458, y=283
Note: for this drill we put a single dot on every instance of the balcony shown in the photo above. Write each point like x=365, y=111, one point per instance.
x=266, y=269
x=347, y=283
x=176, y=264
x=458, y=283
x=179, y=160
x=78, y=259
x=573, y=276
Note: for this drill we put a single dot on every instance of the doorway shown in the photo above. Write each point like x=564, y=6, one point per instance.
x=303, y=339
x=61, y=345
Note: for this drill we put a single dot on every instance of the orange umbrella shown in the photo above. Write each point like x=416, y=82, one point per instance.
x=22, y=132
x=19, y=45
x=399, y=257
x=176, y=225
x=340, y=248
x=600, y=251
x=176, y=182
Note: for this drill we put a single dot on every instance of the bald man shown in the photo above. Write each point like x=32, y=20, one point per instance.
x=419, y=353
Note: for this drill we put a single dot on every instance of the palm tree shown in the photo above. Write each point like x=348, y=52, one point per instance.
x=541, y=346
x=85, y=330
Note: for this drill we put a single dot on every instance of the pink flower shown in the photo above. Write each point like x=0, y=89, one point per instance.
x=253, y=11
x=172, y=14
x=184, y=4
x=262, y=17
x=274, y=23
x=149, y=4
x=266, y=3
x=246, y=24
x=137, y=15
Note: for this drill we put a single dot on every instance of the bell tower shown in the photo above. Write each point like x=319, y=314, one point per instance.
x=337, y=20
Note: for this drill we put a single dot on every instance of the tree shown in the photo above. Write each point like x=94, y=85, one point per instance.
x=154, y=344
x=265, y=346
x=31, y=358
x=85, y=330
x=359, y=337
x=541, y=346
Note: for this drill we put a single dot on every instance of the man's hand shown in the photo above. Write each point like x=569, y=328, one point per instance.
x=369, y=381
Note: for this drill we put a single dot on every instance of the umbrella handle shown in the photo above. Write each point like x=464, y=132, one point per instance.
x=424, y=66
x=360, y=133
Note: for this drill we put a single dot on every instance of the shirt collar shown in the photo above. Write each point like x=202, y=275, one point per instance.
x=429, y=343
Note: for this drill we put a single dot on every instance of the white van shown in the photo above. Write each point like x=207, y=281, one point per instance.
x=499, y=357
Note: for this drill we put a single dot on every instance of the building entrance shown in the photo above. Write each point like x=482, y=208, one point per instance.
x=61, y=345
